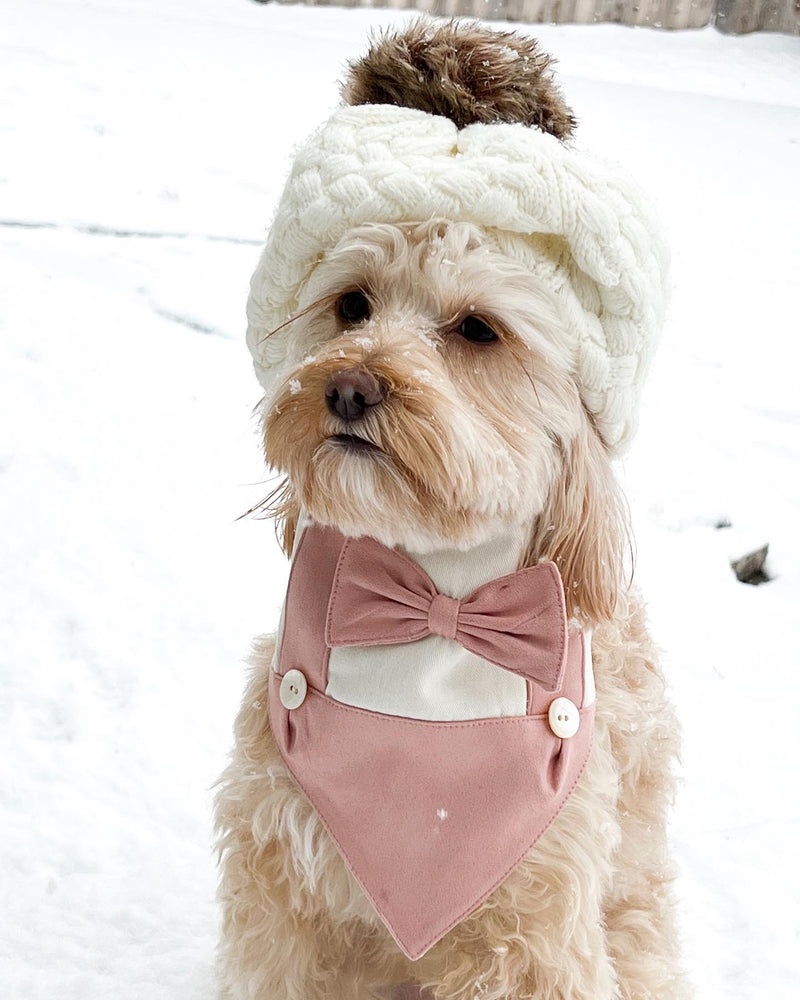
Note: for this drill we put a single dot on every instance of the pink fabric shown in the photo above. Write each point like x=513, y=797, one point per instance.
x=430, y=817
x=518, y=622
x=303, y=646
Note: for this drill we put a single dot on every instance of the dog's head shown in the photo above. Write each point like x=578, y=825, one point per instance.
x=454, y=312
x=430, y=402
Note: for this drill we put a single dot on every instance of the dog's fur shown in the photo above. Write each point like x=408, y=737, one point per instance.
x=472, y=437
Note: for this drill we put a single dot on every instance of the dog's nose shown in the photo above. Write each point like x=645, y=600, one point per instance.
x=350, y=392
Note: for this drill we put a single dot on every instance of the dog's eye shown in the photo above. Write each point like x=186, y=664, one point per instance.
x=477, y=331
x=353, y=307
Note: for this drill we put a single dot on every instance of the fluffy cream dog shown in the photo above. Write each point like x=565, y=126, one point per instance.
x=429, y=385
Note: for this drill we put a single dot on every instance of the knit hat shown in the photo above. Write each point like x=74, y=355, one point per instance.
x=457, y=122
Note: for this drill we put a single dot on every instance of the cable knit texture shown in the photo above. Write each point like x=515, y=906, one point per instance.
x=386, y=164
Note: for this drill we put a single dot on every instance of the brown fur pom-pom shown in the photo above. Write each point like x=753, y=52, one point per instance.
x=463, y=71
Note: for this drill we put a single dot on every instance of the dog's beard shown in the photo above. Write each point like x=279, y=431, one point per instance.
x=466, y=439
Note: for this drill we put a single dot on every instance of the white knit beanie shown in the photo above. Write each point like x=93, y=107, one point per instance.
x=388, y=164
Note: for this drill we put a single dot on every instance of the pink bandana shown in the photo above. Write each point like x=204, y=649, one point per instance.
x=430, y=817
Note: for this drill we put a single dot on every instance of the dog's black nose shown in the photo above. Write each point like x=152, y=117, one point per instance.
x=350, y=392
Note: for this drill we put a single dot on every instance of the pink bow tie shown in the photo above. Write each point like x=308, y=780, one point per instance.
x=519, y=622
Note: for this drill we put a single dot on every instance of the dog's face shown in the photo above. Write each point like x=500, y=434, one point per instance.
x=428, y=400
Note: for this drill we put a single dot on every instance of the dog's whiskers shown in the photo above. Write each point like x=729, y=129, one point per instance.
x=526, y=371
x=326, y=300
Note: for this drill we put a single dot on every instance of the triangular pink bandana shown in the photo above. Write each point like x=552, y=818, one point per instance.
x=430, y=817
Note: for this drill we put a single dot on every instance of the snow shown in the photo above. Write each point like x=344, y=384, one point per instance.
x=144, y=145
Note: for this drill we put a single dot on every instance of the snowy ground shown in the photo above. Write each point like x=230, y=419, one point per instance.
x=143, y=145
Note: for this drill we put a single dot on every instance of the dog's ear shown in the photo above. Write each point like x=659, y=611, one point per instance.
x=584, y=530
x=464, y=72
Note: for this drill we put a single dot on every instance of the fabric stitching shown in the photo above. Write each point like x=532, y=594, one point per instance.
x=295, y=561
x=427, y=723
x=334, y=590
x=430, y=723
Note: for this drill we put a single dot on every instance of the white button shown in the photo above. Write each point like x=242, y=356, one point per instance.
x=293, y=689
x=563, y=718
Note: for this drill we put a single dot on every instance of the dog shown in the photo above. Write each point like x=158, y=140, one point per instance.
x=429, y=358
